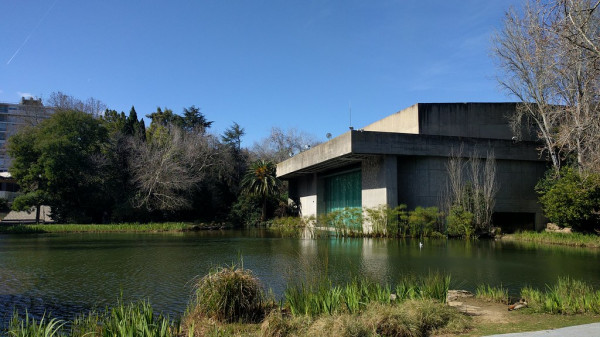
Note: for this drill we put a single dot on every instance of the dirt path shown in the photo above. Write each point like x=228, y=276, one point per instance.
x=481, y=311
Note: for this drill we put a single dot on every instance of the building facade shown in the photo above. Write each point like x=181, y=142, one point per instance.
x=15, y=116
x=403, y=159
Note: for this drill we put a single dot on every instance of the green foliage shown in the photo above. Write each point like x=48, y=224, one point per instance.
x=571, y=199
x=388, y=222
x=261, y=180
x=55, y=164
x=460, y=222
x=230, y=294
x=492, y=294
x=566, y=239
x=322, y=297
x=423, y=221
x=567, y=296
x=136, y=319
x=346, y=221
x=29, y=327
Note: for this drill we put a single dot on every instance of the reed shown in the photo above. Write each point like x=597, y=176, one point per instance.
x=492, y=294
x=567, y=297
x=324, y=298
x=27, y=326
x=567, y=239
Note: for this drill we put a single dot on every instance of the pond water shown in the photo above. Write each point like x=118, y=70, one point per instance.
x=71, y=273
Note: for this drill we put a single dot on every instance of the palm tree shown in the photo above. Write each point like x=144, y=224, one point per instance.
x=261, y=180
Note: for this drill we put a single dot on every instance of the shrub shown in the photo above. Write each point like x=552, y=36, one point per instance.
x=386, y=221
x=571, y=199
x=230, y=294
x=460, y=222
x=423, y=221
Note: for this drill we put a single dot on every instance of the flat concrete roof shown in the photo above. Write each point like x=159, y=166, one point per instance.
x=356, y=145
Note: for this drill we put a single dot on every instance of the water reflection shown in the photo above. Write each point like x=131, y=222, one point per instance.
x=65, y=274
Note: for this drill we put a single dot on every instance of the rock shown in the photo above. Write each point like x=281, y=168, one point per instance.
x=554, y=228
x=454, y=295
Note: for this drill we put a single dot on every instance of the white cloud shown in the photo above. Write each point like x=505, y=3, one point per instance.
x=24, y=94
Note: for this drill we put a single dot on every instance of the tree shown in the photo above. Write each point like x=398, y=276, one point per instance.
x=57, y=163
x=166, y=170
x=261, y=180
x=550, y=61
x=571, y=199
x=280, y=144
x=62, y=101
x=233, y=136
x=193, y=119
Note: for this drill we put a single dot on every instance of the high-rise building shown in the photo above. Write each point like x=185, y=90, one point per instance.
x=16, y=116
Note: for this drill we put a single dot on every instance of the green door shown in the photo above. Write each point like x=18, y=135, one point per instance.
x=343, y=191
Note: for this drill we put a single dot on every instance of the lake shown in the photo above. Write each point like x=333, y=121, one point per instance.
x=64, y=274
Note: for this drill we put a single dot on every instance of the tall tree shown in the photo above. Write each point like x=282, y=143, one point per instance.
x=549, y=57
x=193, y=118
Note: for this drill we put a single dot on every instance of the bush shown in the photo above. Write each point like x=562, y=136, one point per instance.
x=571, y=199
x=230, y=294
x=386, y=221
x=460, y=222
x=423, y=221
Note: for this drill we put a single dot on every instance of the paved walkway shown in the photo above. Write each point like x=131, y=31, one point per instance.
x=587, y=330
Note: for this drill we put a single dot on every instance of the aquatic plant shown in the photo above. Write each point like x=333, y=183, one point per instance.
x=567, y=239
x=314, y=299
x=27, y=326
x=567, y=296
x=492, y=294
x=230, y=294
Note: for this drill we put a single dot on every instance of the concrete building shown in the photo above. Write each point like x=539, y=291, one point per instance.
x=14, y=116
x=402, y=159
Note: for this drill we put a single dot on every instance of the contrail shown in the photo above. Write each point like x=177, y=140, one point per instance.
x=32, y=31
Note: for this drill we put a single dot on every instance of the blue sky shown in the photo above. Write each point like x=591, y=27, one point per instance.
x=261, y=63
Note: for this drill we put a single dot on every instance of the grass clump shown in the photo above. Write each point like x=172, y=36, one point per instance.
x=492, y=294
x=230, y=294
x=567, y=297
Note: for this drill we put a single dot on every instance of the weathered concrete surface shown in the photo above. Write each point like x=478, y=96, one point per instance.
x=354, y=146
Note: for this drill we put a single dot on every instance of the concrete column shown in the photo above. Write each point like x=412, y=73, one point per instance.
x=307, y=192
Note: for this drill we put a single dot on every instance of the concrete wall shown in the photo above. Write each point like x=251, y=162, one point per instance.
x=479, y=120
x=304, y=190
x=379, y=181
x=404, y=121
x=422, y=182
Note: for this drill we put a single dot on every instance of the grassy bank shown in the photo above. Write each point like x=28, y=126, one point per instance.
x=230, y=301
x=105, y=228
x=566, y=239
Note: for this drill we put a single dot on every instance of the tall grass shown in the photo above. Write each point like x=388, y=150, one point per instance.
x=492, y=294
x=567, y=296
x=567, y=239
x=96, y=228
x=135, y=319
x=325, y=298
x=28, y=327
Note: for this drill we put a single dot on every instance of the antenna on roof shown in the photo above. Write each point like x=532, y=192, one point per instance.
x=350, y=111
